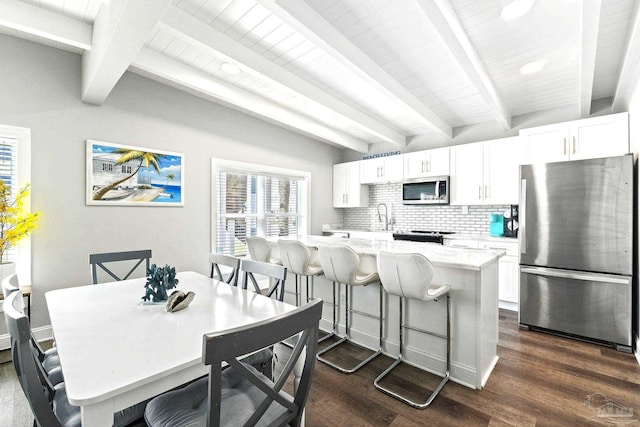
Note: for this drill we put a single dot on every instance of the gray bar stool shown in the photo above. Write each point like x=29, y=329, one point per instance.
x=341, y=264
x=409, y=276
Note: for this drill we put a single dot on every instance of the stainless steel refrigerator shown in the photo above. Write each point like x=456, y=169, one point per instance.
x=576, y=248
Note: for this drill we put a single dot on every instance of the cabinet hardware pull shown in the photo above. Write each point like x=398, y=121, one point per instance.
x=574, y=145
x=564, y=146
x=427, y=168
x=486, y=192
x=479, y=192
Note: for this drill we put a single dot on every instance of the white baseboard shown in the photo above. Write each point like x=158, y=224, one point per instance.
x=42, y=333
x=513, y=306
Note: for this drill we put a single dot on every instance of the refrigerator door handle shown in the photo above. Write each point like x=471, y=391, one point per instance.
x=567, y=274
x=522, y=232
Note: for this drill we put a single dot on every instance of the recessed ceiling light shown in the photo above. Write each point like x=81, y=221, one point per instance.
x=230, y=68
x=532, y=67
x=516, y=9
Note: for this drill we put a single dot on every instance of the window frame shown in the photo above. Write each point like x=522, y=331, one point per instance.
x=218, y=164
x=23, y=248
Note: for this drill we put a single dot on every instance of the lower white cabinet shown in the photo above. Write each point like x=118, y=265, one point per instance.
x=508, y=268
x=508, y=273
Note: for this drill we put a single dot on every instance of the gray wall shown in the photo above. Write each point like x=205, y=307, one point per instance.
x=40, y=90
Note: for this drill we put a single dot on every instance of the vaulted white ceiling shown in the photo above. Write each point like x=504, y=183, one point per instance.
x=351, y=72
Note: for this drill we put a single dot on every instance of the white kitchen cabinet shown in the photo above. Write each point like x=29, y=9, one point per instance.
x=347, y=190
x=381, y=169
x=508, y=273
x=426, y=163
x=485, y=173
x=602, y=136
x=466, y=174
x=501, y=177
x=508, y=268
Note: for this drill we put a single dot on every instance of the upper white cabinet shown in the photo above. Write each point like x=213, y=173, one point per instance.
x=485, y=173
x=426, y=163
x=501, y=177
x=382, y=169
x=466, y=174
x=347, y=190
x=602, y=136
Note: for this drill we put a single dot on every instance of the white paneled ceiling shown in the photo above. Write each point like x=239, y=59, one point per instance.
x=351, y=72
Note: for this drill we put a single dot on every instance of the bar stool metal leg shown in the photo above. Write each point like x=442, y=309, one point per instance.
x=310, y=296
x=444, y=380
x=348, y=314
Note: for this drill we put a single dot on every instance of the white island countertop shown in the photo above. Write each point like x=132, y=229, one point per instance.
x=445, y=256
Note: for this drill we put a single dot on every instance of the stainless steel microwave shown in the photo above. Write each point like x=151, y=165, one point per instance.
x=426, y=191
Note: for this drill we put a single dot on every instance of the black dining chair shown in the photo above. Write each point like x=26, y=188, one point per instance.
x=128, y=260
x=48, y=402
x=240, y=395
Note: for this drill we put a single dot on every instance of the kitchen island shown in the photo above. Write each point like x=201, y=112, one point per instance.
x=473, y=277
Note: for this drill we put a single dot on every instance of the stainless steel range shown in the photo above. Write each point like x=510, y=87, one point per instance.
x=422, y=236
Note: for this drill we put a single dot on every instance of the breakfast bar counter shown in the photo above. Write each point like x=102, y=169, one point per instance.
x=473, y=277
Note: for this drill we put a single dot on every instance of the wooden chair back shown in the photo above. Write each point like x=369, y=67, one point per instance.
x=230, y=345
x=217, y=260
x=31, y=375
x=99, y=260
x=276, y=273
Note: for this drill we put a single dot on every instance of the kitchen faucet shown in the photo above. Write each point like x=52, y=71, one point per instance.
x=385, y=214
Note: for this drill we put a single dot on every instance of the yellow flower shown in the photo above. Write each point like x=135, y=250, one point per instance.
x=14, y=224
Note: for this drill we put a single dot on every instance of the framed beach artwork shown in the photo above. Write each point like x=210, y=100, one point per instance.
x=123, y=175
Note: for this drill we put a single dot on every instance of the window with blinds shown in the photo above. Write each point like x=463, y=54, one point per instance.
x=9, y=173
x=255, y=204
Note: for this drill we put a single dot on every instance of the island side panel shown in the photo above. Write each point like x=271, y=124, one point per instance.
x=488, y=318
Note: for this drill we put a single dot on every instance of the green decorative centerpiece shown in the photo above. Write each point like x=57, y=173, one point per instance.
x=159, y=281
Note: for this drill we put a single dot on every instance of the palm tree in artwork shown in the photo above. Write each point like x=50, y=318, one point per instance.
x=169, y=177
x=146, y=159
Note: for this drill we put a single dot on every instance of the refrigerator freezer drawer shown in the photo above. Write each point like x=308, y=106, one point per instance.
x=590, y=305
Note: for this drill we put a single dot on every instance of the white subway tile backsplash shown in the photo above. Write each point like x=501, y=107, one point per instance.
x=412, y=217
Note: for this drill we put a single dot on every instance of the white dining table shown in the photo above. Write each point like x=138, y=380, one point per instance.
x=116, y=352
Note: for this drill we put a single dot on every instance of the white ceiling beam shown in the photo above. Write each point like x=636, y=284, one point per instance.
x=590, y=27
x=629, y=80
x=445, y=21
x=306, y=21
x=43, y=23
x=190, y=29
x=184, y=77
x=120, y=30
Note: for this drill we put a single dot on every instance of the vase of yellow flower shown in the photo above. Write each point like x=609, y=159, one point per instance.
x=15, y=224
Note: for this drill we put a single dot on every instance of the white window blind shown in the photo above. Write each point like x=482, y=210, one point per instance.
x=9, y=174
x=255, y=204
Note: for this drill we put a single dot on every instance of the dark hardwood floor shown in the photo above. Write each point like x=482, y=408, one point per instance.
x=540, y=380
